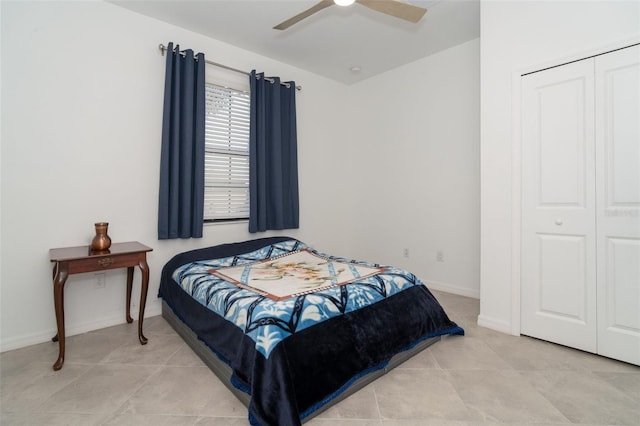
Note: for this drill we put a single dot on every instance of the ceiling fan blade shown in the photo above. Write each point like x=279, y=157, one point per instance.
x=300, y=16
x=405, y=11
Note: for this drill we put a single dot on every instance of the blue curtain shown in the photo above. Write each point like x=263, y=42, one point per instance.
x=181, y=201
x=273, y=156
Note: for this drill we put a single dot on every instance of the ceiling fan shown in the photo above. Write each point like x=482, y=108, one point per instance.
x=401, y=10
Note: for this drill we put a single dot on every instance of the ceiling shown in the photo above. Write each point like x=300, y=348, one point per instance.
x=329, y=43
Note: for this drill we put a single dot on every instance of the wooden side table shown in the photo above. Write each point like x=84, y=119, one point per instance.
x=76, y=260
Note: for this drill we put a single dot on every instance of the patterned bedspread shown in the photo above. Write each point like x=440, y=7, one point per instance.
x=297, y=327
x=286, y=287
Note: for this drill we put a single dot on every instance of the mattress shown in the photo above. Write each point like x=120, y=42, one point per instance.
x=294, y=329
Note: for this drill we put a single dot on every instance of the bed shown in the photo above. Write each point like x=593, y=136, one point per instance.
x=291, y=331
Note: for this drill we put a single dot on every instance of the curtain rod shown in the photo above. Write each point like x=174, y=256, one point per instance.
x=163, y=48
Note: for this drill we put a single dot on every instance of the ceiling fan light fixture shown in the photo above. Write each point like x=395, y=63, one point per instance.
x=396, y=8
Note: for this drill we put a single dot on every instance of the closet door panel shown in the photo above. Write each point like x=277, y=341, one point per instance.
x=558, y=293
x=563, y=278
x=617, y=115
x=623, y=277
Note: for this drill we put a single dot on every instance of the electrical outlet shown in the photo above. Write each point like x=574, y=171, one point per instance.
x=101, y=280
x=406, y=252
x=440, y=256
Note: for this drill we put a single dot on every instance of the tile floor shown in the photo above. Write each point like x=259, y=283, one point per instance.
x=485, y=378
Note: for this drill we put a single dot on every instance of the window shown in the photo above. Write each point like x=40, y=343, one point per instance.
x=226, y=193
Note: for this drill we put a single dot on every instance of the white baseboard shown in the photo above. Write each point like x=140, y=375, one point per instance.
x=448, y=288
x=494, y=324
x=45, y=336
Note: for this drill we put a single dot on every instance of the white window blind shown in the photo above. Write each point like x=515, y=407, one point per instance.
x=226, y=194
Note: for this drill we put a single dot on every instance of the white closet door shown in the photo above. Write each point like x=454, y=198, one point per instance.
x=558, y=295
x=618, y=203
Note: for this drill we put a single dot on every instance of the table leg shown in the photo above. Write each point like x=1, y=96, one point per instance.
x=129, y=287
x=144, y=268
x=55, y=269
x=60, y=277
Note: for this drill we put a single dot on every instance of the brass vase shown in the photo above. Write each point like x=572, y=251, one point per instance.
x=101, y=242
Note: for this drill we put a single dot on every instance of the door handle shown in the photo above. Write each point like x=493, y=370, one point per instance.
x=559, y=222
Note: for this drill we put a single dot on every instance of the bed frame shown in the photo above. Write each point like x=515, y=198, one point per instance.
x=223, y=371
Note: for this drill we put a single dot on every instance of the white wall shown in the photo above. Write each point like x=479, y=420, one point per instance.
x=416, y=168
x=82, y=86
x=518, y=36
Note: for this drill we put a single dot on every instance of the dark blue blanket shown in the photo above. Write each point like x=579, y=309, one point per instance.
x=312, y=366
